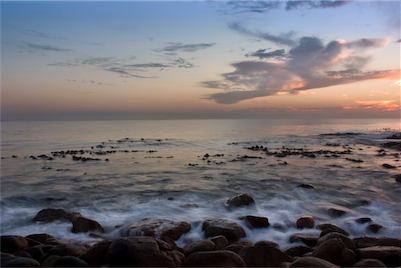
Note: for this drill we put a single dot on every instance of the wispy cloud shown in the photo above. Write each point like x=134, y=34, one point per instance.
x=290, y=5
x=88, y=82
x=173, y=47
x=262, y=54
x=31, y=48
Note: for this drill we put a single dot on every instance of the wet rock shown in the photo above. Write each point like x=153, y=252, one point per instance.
x=23, y=254
x=52, y=214
x=83, y=225
x=306, y=186
x=156, y=227
x=328, y=228
x=67, y=249
x=6, y=255
x=170, y=198
x=244, y=199
x=389, y=255
x=13, y=243
x=335, y=251
x=312, y=262
x=255, y=222
x=309, y=239
x=305, y=222
x=369, y=263
x=220, y=241
x=39, y=237
x=19, y=262
x=35, y=252
x=280, y=227
x=388, y=166
x=237, y=246
x=266, y=244
x=230, y=229
x=200, y=245
x=69, y=261
x=50, y=260
x=363, y=220
x=397, y=177
x=374, y=228
x=141, y=251
x=335, y=212
x=297, y=251
x=95, y=256
x=218, y=258
x=368, y=241
x=347, y=241
x=263, y=256
x=32, y=242
x=171, y=243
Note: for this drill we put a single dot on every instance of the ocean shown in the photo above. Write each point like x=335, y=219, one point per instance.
x=118, y=172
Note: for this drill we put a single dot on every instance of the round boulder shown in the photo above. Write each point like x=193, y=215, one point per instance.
x=255, y=221
x=263, y=256
x=218, y=258
x=306, y=222
x=312, y=262
x=52, y=214
x=230, y=229
x=83, y=225
x=335, y=251
x=244, y=199
x=200, y=245
x=13, y=243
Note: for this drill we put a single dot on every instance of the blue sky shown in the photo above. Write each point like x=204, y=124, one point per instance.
x=199, y=59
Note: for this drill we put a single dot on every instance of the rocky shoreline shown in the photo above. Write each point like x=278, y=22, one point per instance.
x=150, y=242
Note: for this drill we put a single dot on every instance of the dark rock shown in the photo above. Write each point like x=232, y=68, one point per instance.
x=266, y=244
x=335, y=212
x=199, y=245
x=389, y=255
x=67, y=249
x=230, y=229
x=35, y=252
x=306, y=186
x=369, y=263
x=388, y=166
x=397, y=177
x=297, y=251
x=363, y=220
x=220, y=241
x=335, y=251
x=237, y=246
x=39, y=237
x=280, y=227
x=309, y=239
x=32, y=242
x=157, y=228
x=306, y=222
x=218, y=258
x=83, y=225
x=312, y=262
x=52, y=214
x=23, y=254
x=6, y=255
x=171, y=242
x=255, y=222
x=374, y=228
x=69, y=261
x=368, y=241
x=13, y=243
x=50, y=260
x=95, y=256
x=170, y=198
x=244, y=199
x=263, y=256
x=328, y=228
x=347, y=241
x=19, y=262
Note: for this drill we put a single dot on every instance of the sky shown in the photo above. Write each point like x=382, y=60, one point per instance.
x=94, y=60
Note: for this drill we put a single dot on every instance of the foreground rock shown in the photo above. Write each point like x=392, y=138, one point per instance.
x=219, y=258
x=309, y=239
x=263, y=256
x=13, y=243
x=83, y=225
x=369, y=263
x=230, y=229
x=200, y=245
x=156, y=227
x=19, y=262
x=335, y=251
x=255, y=221
x=244, y=199
x=312, y=262
x=328, y=228
x=347, y=241
x=52, y=214
x=368, y=241
x=389, y=255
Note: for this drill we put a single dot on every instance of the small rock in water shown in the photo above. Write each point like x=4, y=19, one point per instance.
x=374, y=228
x=255, y=222
x=230, y=229
x=306, y=222
x=83, y=225
x=244, y=199
x=335, y=212
x=388, y=166
x=363, y=220
x=329, y=227
x=397, y=177
x=306, y=186
x=52, y=214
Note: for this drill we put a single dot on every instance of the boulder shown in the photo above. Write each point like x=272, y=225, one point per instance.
x=363, y=220
x=312, y=262
x=83, y=225
x=368, y=241
x=218, y=258
x=52, y=214
x=69, y=261
x=50, y=260
x=369, y=263
x=67, y=249
x=328, y=228
x=397, y=177
x=141, y=251
x=374, y=228
x=335, y=251
x=35, y=252
x=23, y=254
x=244, y=199
x=12, y=243
x=95, y=256
x=255, y=222
x=266, y=244
x=297, y=251
x=336, y=212
x=309, y=239
x=19, y=262
x=389, y=255
x=305, y=222
x=199, y=245
x=156, y=227
x=230, y=229
x=347, y=241
x=220, y=241
x=237, y=246
x=39, y=237
x=263, y=256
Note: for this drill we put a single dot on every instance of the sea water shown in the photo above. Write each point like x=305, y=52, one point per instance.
x=200, y=164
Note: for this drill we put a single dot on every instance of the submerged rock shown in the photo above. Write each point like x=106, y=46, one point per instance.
x=309, y=239
x=52, y=214
x=335, y=212
x=329, y=227
x=230, y=229
x=306, y=186
x=369, y=241
x=244, y=199
x=83, y=225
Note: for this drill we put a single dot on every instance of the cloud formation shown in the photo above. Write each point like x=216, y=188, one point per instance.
x=173, y=47
x=31, y=48
x=310, y=64
x=261, y=54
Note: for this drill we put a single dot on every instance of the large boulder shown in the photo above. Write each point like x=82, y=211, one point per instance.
x=95, y=256
x=263, y=256
x=312, y=262
x=389, y=255
x=157, y=228
x=12, y=243
x=369, y=263
x=244, y=199
x=237, y=246
x=35, y=252
x=218, y=258
x=141, y=251
x=19, y=262
x=305, y=222
x=255, y=221
x=335, y=251
x=42, y=238
x=70, y=261
x=309, y=239
x=83, y=225
x=368, y=241
x=199, y=245
x=329, y=227
x=230, y=229
x=67, y=249
x=52, y=214
x=297, y=251
x=347, y=241
x=264, y=243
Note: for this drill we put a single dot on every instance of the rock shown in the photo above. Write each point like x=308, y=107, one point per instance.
x=220, y=241
x=35, y=252
x=199, y=245
x=69, y=261
x=309, y=239
x=328, y=228
x=374, y=228
x=50, y=260
x=95, y=256
x=297, y=251
x=280, y=227
x=230, y=229
x=369, y=263
x=389, y=255
x=39, y=237
x=335, y=251
x=388, y=166
x=266, y=244
x=397, y=177
x=32, y=242
x=237, y=246
x=23, y=254
x=306, y=186
x=67, y=249
x=368, y=241
x=83, y=225
x=312, y=262
x=218, y=258
x=6, y=255
x=347, y=241
x=157, y=228
x=263, y=256
x=141, y=251
x=305, y=222
x=52, y=214
x=335, y=212
x=244, y=199
x=363, y=220
x=13, y=243
x=255, y=222
x=19, y=262
x=171, y=242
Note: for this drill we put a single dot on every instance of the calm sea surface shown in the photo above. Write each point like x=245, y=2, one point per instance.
x=201, y=163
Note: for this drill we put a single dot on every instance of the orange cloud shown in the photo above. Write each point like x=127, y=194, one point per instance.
x=385, y=105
